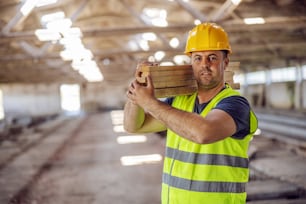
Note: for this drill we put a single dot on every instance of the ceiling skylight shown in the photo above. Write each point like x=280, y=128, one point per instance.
x=155, y=16
x=58, y=29
x=236, y=2
x=51, y=17
x=251, y=21
x=29, y=5
x=174, y=42
x=159, y=55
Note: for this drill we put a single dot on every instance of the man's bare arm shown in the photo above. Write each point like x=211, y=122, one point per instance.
x=137, y=121
x=216, y=126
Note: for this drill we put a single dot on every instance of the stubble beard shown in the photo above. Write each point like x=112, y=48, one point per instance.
x=205, y=80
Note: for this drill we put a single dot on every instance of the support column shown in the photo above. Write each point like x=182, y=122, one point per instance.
x=298, y=93
x=267, y=88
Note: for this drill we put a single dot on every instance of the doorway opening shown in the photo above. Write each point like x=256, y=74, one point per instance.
x=70, y=98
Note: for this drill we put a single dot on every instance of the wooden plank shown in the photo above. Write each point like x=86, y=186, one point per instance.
x=179, y=79
x=175, y=91
x=167, y=73
x=174, y=83
x=234, y=85
x=233, y=66
x=167, y=78
x=157, y=68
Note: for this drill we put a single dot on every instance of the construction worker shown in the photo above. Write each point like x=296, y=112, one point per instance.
x=208, y=132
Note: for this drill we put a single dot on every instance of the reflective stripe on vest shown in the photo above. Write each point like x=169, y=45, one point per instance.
x=203, y=186
x=211, y=159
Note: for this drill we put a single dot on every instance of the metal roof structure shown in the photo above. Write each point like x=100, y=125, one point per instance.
x=111, y=33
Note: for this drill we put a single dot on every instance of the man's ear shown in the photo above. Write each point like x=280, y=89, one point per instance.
x=226, y=62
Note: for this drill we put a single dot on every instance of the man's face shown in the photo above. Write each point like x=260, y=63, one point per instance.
x=208, y=68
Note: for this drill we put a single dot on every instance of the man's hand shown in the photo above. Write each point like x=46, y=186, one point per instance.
x=141, y=94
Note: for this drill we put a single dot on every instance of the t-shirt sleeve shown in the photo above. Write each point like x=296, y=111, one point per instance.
x=168, y=100
x=237, y=107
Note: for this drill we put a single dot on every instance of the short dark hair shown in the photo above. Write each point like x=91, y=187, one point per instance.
x=225, y=53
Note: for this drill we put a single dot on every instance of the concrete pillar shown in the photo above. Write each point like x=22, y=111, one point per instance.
x=298, y=97
x=267, y=88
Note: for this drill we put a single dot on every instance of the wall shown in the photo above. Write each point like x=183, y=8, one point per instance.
x=304, y=95
x=33, y=100
x=281, y=95
x=44, y=99
x=99, y=96
x=255, y=94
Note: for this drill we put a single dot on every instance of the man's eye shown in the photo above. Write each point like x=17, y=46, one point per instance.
x=212, y=58
x=197, y=59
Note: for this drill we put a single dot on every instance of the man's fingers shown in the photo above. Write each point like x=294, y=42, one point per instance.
x=149, y=81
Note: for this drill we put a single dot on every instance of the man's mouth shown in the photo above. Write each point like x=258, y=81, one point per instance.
x=205, y=73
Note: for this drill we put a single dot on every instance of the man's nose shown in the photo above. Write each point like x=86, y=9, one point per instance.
x=205, y=62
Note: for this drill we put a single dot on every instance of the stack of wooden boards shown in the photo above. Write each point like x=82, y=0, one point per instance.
x=178, y=80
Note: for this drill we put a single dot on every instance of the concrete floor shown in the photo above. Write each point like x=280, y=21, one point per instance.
x=86, y=166
x=91, y=160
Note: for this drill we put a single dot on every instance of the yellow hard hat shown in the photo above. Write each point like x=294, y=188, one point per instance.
x=207, y=36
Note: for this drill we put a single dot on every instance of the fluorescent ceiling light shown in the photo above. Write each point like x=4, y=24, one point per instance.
x=166, y=63
x=159, y=55
x=72, y=43
x=45, y=2
x=156, y=16
x=76, y=55
x=89, y=69
x=236, y=2
x=91, y=73
x=52, y=17
x=47, y=35
x=174, y=43
x=251, y=21
x=106, y=61
x=181, y=59
x=132, y=45
x=74, y=32
x=152, y=12
x=197, y=22
x=159, y=22
x=59, y=25
x=144, y=45
x=29, y=5
x=149, y=36
x=151, y=59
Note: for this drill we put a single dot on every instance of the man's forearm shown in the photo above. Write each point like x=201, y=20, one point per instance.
x=216, y=126
x=188, y=125
x=134, y=117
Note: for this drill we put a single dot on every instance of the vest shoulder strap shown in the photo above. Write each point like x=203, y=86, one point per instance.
x=227, y=92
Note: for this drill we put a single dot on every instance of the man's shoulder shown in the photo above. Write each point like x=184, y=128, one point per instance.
x=235, y=100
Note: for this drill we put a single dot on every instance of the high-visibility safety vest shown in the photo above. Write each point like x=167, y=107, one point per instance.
x=214, y=173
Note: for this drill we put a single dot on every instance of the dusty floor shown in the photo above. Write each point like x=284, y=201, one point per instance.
x=88, y=167
x=91, y=160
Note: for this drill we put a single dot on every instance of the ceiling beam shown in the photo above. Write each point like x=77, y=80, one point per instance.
x=223, y=11
x=290, y=24
x=238, y=49
x=192, y=11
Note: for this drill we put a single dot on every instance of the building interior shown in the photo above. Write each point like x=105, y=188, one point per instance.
x=65, y=68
